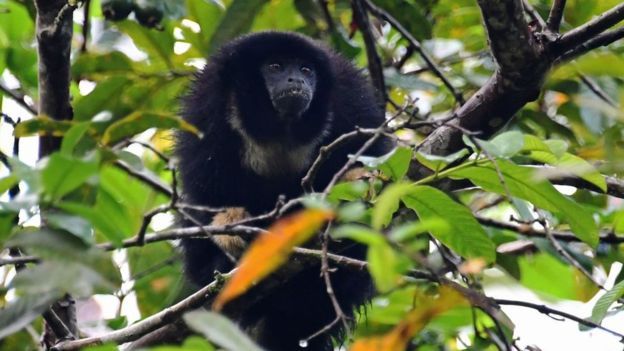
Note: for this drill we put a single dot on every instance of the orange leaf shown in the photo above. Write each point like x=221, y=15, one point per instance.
x=270, y=250
x=399, y=336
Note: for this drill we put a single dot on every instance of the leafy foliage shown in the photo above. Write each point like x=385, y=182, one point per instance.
x=113, y=170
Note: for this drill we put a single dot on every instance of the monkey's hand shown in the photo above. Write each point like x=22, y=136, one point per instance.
x=232, y=244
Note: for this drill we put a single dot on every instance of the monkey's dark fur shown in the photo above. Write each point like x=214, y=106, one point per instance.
x=250, y=155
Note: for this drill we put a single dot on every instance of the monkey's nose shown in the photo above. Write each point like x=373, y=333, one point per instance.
x=295, y=80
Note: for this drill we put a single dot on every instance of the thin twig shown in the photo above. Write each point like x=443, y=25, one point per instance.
x=86, y=25
x=595, y=88
x=374, y=62
x=18, y=260
x=529, y=231
x=19, y=98
x=551, y=311
x=155, y=183
x=565, y=254
x=379, y=12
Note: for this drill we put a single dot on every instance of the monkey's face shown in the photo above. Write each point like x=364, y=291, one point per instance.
x=290, y=83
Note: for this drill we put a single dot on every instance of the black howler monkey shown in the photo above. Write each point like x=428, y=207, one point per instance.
x=266, y=103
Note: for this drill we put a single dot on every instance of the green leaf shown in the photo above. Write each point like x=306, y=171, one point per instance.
x=72, y=224
x=7, y=222
x=21, y=312
x=57, y=245
x=238, y=19
x=571, y=164
x=90, y=65
x=508, y=143
x=605, y=301
x=348, y=191
x=407, y=231
x=437, y=163
x=16, y=24
x=220, y=330
x=207, y=14
x=63, y=174
x=533, y=143
x=42, y=125
x=388, y=203
x=140, y=121
x=466, y=236
x=358, y=233
x=57, y=277
x=618, y=222
x=385, y=266
x=558, y=147
x=72, y=137
x=351, y=211
x=409, y=82
x=520, y=181
x=102, y=98
x=7, y=183
x=396, y=163
x=157, y=44
x=102, y=223
x=545, y=274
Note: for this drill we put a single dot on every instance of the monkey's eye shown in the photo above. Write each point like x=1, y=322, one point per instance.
x=275, y=66
x=306, y=70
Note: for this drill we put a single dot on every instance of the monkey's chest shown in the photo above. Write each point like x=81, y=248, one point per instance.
x=277, y=159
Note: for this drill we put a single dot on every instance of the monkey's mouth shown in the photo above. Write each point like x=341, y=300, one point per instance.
x=292, y=101
x=293, y=93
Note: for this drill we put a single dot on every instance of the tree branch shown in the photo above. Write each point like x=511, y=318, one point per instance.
x=530, y=232
x=54, y=33
x=374, y=62
x=551, y=311
x=19, y=98
x=415, y=45
x=151, y=323
x=580, y=35
x=602, y=39
x=556, y=15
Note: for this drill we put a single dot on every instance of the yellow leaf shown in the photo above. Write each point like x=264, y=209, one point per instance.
x=397, y=338
x=270, y=250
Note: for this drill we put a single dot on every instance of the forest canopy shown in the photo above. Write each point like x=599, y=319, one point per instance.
x=504, y=191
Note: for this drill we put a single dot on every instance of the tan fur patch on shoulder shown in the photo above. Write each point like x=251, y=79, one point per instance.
x=229, y=216
x=233, y=244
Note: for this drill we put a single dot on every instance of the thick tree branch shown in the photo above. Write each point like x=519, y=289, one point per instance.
x=517, y=81
x=54, y=33
x=523, y=59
